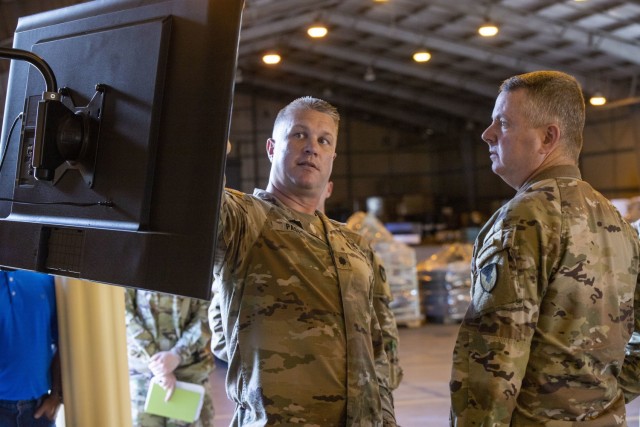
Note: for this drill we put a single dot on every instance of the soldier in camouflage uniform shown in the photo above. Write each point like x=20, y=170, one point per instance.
x=554, y=271
x=296, y=292
x=381, y=300
x=167, y=336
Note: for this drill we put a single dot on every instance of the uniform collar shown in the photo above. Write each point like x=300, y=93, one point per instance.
x=560, y=171
x=269, y=197
x=266, y=196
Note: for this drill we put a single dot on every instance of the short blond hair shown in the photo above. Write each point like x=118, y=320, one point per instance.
x=309, y=103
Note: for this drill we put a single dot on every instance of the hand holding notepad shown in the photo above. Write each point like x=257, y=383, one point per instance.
x=185, y=403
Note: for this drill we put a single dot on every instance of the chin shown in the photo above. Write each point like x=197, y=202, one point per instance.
x=305, y=185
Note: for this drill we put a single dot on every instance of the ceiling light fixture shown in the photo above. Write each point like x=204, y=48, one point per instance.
x=369, y=75
x=317, y=31
x=421, y=56
x=597, y=99
x=488, y=29
x=271, y=58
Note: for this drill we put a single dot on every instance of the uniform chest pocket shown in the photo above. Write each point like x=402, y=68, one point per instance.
x=495, y=277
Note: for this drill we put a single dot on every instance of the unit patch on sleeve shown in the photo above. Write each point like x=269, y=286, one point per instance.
x=489, y=277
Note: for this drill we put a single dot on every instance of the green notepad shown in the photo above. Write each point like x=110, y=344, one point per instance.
x=185, y=403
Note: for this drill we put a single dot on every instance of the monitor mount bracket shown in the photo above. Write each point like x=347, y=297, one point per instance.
x=66, y=136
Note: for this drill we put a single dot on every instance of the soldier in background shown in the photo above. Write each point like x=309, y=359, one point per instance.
x=296, y=292
x=555, y=273
x=167, y=337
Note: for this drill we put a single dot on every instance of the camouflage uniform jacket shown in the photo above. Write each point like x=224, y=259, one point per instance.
x=381, y=299
x=629, y=378
x=554, y=274
x=161, y=322
x=304, y=345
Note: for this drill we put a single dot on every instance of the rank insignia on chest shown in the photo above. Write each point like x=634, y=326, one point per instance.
x=342, y=261
x=489, y=277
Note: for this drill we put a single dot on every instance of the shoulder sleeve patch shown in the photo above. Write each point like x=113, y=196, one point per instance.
x=489, y=277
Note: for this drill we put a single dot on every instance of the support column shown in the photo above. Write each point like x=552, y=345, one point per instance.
x=93, y=350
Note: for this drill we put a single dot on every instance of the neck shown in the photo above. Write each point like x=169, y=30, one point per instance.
x=554, y=158
x=297, y=203
x=545, y=166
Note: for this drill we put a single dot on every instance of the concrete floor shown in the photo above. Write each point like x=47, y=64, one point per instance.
x=422, y=400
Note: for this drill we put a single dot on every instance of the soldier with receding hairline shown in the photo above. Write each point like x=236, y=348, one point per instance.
x=555, y=273
x=296, y=291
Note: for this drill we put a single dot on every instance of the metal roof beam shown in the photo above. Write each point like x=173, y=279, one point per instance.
x=272, y=29
x=380, y=62
x=490, y=56
x=270, y=10
x=598, y=40
x=456, y=109
x=410, y=118
x=258, y=33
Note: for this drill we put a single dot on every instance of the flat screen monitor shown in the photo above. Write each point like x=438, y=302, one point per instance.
x=119, y=180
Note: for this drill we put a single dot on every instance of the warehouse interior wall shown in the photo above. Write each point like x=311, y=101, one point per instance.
x=610, y=158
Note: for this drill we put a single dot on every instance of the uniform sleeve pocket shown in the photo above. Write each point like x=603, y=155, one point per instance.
x=495, y=279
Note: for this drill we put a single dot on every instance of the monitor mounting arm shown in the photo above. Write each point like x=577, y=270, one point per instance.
x=66, y=136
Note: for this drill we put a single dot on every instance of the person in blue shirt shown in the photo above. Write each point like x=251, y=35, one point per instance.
x=30, y=381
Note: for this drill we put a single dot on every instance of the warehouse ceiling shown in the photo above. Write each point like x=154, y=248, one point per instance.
x=598, y=41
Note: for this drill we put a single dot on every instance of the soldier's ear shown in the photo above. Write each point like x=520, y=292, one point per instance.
x=551, y=138
x=270, y=147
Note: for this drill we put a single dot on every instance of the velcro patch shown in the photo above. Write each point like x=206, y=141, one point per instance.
x=489, y=277
x=383, y=273
x=342, y=260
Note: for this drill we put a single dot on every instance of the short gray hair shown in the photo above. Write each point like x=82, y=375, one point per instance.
x=553, y=96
